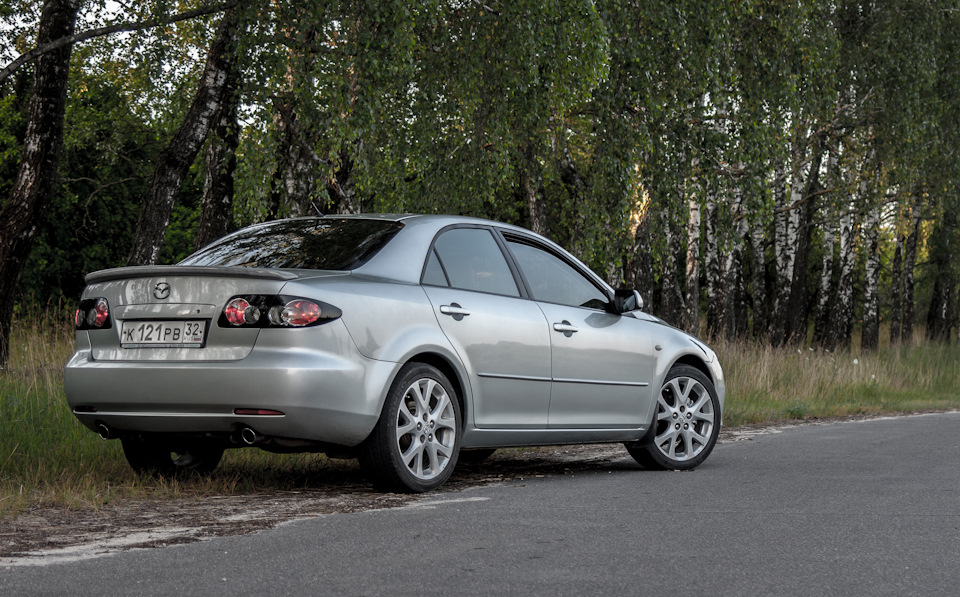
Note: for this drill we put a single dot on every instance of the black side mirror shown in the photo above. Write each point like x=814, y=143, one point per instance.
x=625, y=301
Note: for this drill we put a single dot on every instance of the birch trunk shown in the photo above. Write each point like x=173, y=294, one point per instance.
x=671, y=297
x=785, y=239
x=34, y=184
x=341, y=187
x=896, y=292
x=638, y=270
x=177, y=157
x=870, y=327
x=532, y=182
x=220, y=160
x=805, y=205
x=940, y=315
x=691, y=313
x=733, y=314
x=822, y=323
x=909, y=262
x=715, y=289
x=758, y=282
x=841, y=316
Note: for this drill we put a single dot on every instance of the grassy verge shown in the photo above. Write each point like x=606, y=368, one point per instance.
x=47, y=457
x=766, y=384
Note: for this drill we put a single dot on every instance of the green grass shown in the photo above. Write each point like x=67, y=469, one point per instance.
x=47, y=457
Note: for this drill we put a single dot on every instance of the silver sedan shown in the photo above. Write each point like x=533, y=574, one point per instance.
x=403, y=341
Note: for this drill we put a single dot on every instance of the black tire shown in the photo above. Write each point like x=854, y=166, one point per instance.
x=415, y=444
x=685, y=426
x=151, y=457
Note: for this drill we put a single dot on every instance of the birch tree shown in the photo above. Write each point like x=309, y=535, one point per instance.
x=33, y=187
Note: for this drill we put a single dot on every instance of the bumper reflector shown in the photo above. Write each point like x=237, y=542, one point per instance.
x=258, y=412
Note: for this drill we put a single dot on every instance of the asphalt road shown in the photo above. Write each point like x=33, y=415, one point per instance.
x=853, y=508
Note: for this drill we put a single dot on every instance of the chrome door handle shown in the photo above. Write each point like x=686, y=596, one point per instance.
x=454, y=310
x=566, y=328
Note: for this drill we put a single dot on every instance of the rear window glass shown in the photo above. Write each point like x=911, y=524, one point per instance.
x=307, y=243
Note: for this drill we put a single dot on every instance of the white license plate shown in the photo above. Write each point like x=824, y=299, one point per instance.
x=159, y=334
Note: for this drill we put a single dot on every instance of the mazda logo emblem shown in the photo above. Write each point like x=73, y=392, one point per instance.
x=161, y=290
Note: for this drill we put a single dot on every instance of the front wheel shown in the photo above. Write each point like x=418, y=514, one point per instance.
x=686, y=424
x=415, y=444
x=155, y=457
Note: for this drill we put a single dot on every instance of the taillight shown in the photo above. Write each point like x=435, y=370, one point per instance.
x=93, y=314
x=281, y=311
x=239, y=311
x=295, y=313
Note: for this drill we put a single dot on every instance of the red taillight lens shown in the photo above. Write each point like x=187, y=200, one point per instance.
x=296, y=313
x=98, y=315
x=94, y=313
x=276, y=311
x=240, y=312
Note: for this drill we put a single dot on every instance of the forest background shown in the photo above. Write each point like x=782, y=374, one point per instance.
x=779, y=170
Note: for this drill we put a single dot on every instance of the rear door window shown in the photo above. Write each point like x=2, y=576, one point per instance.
x=470, y=259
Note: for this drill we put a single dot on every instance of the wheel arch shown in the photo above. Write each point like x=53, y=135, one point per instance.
x=451, y=372
x=695, y=362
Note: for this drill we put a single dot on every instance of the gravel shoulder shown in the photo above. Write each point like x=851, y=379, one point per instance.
x=46, y=535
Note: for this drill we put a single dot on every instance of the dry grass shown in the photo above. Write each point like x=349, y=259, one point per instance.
x=766, y=384
x=47, y=457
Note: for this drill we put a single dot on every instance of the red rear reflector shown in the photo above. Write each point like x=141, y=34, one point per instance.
x=260, y=412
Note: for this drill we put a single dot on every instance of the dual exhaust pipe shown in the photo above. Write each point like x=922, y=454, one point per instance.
x=248, y=435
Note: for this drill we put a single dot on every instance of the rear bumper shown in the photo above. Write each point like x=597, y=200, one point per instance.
x=324, y=397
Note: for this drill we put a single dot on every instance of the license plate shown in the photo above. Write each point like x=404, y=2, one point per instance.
x=162, y=334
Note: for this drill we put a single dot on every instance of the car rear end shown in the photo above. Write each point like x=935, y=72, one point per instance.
x=219, y=353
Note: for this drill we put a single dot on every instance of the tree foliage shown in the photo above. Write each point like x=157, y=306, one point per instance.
x=787, y=129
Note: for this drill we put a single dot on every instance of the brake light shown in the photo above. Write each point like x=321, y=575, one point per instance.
x=239, y=311
x=256, y=310
x=93, y=314
x=296, y=313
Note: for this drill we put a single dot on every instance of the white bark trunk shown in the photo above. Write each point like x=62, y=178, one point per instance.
x=870, y=330
x=691, y=317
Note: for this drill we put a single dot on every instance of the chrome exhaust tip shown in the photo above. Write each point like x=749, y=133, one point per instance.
x=103, y=431
x=250, y=437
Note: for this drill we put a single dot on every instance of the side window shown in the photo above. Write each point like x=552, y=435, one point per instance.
x=433, y=274
x=472, y=260
x=552, y=280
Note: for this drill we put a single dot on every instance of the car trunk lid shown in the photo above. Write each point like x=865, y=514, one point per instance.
x=172, y=312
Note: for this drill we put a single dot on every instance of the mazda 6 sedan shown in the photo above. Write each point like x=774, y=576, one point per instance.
x=404, y=341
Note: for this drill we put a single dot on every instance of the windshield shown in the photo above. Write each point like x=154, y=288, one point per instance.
x=304, y=243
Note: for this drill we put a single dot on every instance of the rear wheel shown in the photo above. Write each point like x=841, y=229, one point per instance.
x=156, y=457
x=415, y=445
x=686, y=424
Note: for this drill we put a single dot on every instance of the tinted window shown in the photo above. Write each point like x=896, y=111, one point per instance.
x=472, y=260
x=553, y=280
x=433, y=273
x=308, y=243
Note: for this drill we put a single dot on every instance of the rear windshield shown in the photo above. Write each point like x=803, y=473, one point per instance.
x=307, y=243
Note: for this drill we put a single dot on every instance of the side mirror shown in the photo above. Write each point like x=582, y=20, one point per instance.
x=625, y=301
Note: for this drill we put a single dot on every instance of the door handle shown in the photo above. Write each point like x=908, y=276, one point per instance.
x=454, y=310
x=565, y=327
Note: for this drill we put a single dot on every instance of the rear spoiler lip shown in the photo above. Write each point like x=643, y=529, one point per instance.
x=150, y=271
